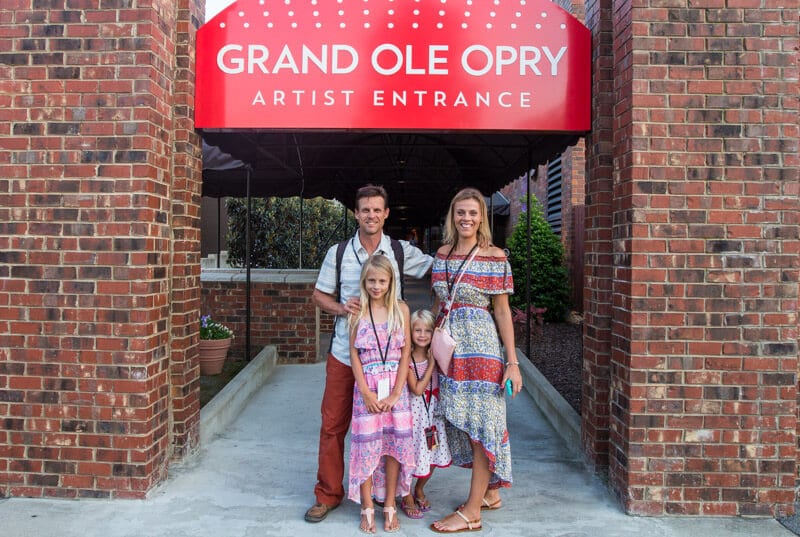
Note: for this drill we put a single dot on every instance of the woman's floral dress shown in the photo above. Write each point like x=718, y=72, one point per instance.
x=471, y=397
x=373, y=436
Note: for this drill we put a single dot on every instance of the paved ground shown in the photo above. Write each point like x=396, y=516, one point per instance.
x=256, y=479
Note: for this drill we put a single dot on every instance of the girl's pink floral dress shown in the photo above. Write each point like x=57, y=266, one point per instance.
x=372, y=436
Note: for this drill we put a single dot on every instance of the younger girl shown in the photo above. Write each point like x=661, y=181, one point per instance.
x=381, y=426
x=430, y=442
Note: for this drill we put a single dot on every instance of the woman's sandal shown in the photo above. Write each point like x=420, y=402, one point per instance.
x=472, y=525
x=369, y=513
x=390, y=515
x=485, y=505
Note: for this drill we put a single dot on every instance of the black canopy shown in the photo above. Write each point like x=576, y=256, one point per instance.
x=421, y=171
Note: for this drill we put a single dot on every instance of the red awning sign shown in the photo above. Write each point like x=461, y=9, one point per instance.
x=391, y=64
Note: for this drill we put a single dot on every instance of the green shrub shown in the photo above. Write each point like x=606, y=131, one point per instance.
x=275, y=231
x=549, y=277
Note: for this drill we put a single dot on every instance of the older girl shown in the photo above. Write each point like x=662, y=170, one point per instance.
x=381, y=441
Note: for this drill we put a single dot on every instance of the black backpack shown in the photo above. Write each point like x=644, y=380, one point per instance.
x=399, y=256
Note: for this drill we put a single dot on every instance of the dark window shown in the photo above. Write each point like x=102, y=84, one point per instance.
x=553, y=208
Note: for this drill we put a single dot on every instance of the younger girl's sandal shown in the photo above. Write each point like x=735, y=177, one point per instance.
x=390, y=524
x=423, y=504
x=369, y=514
x=411, y=511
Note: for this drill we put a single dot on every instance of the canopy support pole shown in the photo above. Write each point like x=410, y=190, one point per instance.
x=300, y=238
x=528, y=265
x=491, y=212
x=247, y=264
x=219, y=231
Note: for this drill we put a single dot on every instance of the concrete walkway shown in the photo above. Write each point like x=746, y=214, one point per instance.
x=256, y=479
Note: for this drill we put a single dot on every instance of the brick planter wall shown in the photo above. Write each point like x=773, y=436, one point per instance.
x=282, y=313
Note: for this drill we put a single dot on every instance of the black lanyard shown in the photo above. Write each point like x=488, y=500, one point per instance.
x=461, y=266
x=375, y=331
x=378, y=250
x=353, y=246
x=426, y=402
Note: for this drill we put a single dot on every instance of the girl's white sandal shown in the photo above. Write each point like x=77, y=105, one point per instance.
x=368, y=512
x=389, y=514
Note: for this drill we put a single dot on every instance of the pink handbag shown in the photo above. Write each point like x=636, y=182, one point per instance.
x=442, y=343
x=442, y=346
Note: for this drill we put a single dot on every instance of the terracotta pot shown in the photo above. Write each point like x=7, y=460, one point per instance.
x=212, y=355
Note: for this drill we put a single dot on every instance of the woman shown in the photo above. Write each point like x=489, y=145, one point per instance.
x=472, y=392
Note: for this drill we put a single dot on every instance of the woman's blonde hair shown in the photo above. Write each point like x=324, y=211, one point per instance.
x=381, y=263
x=484, y=234
x=425, y=317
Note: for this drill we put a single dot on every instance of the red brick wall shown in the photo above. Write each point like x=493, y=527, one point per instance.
x=282, y=313
x=89, y=223
x=705, y=265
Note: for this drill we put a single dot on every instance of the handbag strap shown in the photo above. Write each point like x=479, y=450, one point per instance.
x=455, y=285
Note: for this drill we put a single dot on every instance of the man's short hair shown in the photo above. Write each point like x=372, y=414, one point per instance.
x=372, y=191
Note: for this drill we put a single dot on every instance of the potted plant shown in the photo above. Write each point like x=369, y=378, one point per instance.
x=215, y=340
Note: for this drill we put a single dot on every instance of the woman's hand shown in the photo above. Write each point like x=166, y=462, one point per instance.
x=513, y=373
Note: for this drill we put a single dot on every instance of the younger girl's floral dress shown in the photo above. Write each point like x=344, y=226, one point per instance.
x=373, y=436
x=423, y=410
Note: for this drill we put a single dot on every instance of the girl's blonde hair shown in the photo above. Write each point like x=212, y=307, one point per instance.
x=381, y=263
x=425, y=317
x=484, y=234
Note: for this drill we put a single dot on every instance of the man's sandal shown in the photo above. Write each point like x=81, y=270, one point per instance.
x=318, y=512
x=472, y=525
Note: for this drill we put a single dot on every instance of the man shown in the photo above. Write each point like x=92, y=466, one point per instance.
x=337, y=401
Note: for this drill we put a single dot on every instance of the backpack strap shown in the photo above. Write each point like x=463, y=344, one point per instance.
x=340, y=248
x=400, y=257
x=339, y=256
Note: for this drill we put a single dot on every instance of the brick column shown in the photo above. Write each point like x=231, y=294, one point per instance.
x=86, y=280
x=186, y=191
x=597, y=237
x=704, y=352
